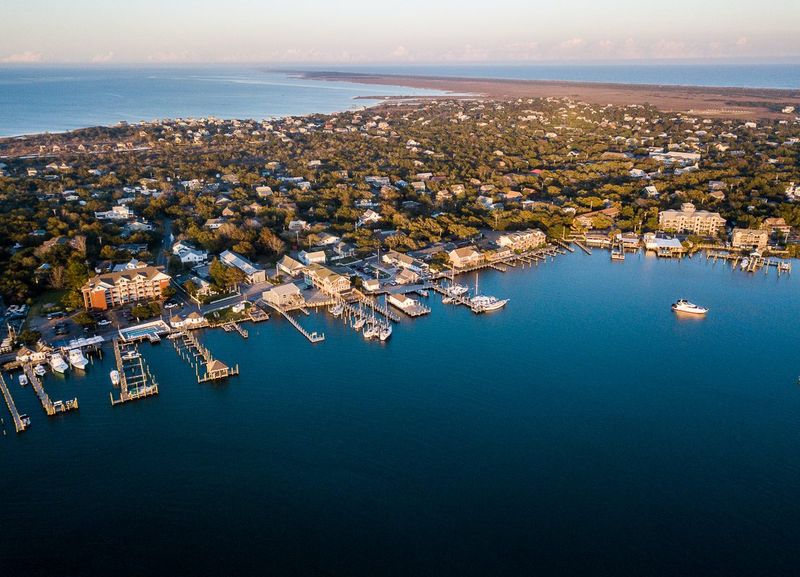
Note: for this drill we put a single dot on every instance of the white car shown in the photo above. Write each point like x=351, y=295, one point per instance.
x=104, y=322
x=171, y=305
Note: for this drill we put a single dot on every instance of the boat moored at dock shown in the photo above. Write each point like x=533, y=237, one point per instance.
x=58, y=364
x=77, y=360
x=23, y=380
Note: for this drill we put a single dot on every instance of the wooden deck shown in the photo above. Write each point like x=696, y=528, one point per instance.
x=19, y=424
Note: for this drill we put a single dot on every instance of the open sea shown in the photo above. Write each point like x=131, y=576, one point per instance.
x=55, y=99
x=585, y=429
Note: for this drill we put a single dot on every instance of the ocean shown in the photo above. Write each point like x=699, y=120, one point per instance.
x=34, y=100
x=56, y=99
x=584, y=429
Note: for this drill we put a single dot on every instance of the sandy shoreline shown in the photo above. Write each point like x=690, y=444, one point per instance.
x=701, y=100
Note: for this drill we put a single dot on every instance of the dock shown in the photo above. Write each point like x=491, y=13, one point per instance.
x=19, y=424
x=233, y=326
x=50, y=407
x=313, y=337
x=457, y=299
x=135, y=380
x=190, y=350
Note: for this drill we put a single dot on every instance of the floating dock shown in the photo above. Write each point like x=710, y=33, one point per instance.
x=135, y=380
x=233, y=326
x=50, y=407
x=19, y=423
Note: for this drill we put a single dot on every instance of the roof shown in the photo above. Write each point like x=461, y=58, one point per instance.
x=232, y=259
x=215, y=365
x=106, y=280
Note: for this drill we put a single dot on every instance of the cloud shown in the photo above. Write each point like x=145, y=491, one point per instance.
x=572, y=44
x=400, y=52
x=26, y=57
x=742, y=42
x=182, y=56
x=100, y=58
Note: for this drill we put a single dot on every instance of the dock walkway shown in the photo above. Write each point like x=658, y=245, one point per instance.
x=19, y=424
x=50, y=407
x=313, y=337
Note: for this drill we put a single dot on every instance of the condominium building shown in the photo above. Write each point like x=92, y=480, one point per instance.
x=688, y=219
x=118, y=288
x=750, y=238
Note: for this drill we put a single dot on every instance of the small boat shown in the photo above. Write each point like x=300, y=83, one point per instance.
x=130, y=355
x=385, y=332
x=114, y=377
x=371, y=331
x=359, y=323
x=57, y=363
x=423, y=292
x=26, y=420
x=23, y=379
x=337, y=310
x=456, y=290
x=39, y=370
x=447, y=300
x=77, y=360
x=745, y=263
x=684, y=306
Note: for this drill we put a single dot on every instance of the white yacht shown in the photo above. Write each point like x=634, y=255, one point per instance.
x=114, y=377
x=684, y=306
x=57, y=363
x=487, y=303
x=385, y=332
x=39, y=370
x=456, y=290
x=23, y=379
x=336, y=310
x=130, y=355
x=359, y=323
x=484, y=303
x=77, y=360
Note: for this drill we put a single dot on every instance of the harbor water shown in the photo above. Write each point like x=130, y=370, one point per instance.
x=583, y=429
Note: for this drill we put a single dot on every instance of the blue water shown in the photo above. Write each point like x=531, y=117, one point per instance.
x=785, y=75
x=582, y=430
x=36, y=99
x=42, y=99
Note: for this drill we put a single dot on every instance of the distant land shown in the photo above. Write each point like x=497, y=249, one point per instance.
x=719, y=102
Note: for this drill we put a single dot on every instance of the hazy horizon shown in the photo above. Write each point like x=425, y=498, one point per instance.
x=355, y=32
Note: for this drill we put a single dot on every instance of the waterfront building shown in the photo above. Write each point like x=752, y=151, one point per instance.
x=193, y=320
x=253, y=274
x=689, y=219
x=404, y=261
x=523, y=240
x=465, y=257
x=108, y=290
x=286, y=295
x=749, y=238
x=407, y=276
x=325, y=279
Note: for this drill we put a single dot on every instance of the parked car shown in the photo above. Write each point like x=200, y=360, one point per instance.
x=103, y=322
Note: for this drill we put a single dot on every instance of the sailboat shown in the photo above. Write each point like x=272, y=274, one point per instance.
x=385, y=331
x=484, y=303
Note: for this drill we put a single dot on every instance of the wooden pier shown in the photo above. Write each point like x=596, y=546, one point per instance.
x=190, y=350
x=135, y=379
x=257, y=314
x=582, y=246
x=457, y=299
x=313, y=337
x=19, y=423
x=234, y=326
x=754, y=263
x=563, y=245
x=50, y=407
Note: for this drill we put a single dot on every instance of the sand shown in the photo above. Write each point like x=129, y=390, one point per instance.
x=718, y=102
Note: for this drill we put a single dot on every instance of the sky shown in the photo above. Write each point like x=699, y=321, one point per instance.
x=397, y=31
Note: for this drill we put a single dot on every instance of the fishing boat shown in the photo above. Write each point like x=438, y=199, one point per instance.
x=77, y=360
x=447, y=300
x=26, y=420
x=23, y=379
x=385, y=331
x=114, y=377
x=58, y=364
x=39, y=370
x=456, y=290
x=684, y=306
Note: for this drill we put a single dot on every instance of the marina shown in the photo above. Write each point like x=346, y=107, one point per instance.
x=50, y=407
x=133, y=376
